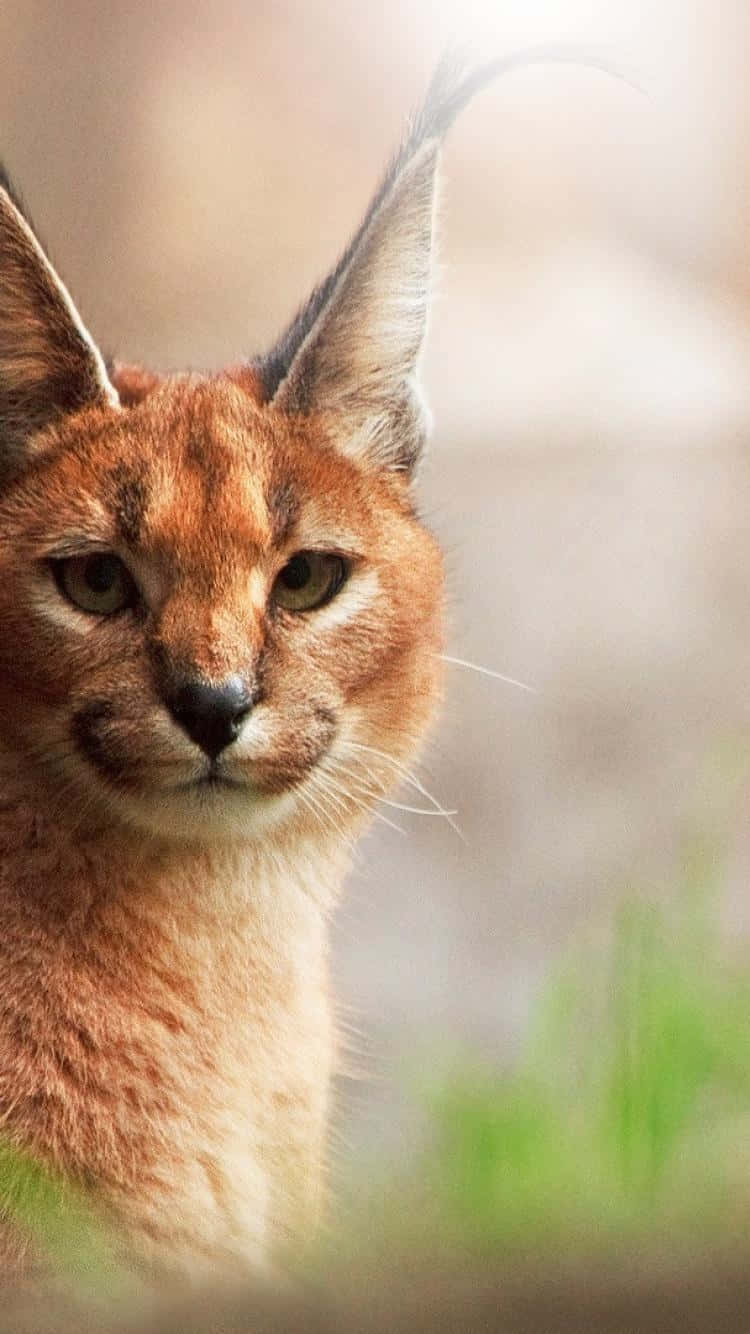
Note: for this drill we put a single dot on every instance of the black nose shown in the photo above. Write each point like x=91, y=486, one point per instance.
x=212, y=715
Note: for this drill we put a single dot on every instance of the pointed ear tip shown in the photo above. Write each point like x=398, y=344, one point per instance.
x=9, y=195
x=7, y=203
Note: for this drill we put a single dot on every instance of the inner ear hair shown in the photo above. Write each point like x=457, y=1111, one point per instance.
x=49, y=364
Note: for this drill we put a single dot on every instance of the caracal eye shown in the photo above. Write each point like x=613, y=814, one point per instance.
x=308, y=580
x=98, y=583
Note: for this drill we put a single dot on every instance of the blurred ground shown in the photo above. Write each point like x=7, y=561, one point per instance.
x=196, y=168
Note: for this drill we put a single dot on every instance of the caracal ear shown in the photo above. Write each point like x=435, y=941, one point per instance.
x=352, y=352
x=357, y=364
x=49, y=364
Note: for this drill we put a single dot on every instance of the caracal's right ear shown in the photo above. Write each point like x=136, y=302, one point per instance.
x=49, y=364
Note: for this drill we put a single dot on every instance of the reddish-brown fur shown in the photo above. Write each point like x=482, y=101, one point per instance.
x=166, y=1038
x=164, y=1004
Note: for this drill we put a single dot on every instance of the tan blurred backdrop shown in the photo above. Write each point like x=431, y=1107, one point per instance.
x=194, y=168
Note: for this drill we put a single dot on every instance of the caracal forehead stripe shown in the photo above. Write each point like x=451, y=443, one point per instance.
x=212, y=475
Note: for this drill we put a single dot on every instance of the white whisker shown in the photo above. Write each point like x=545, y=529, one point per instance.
x=324, y=775
x=321, y=813
x=415, y=810
x=375, y=794
x=319, y=802
x=410, y=778
x=341, y=799
x=487, y=671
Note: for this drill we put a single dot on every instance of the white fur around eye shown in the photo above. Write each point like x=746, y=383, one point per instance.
x=257, y=583
x=358, y=593
x=54, y=608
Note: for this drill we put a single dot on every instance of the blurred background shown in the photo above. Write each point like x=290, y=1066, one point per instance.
x=194, y=169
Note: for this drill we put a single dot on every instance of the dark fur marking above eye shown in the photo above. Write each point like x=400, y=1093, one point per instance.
x=283, y=508
x=130, y=499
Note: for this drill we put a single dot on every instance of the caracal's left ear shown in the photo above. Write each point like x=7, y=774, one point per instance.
x=49, y=364
x=355, y=359
x=352, y=352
